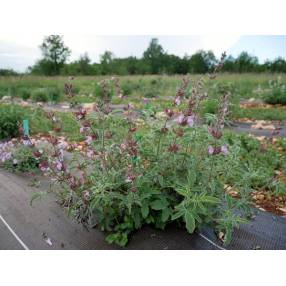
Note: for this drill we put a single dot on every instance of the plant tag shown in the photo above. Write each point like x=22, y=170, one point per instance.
x=26, y=127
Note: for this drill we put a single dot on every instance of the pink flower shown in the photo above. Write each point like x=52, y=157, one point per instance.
x=88, y=140
x=177, y=101
x=169, y=112
x=215, y=133
x=80, y=114
x=146, y=100
x=190, y=121
x=224, y=149
x=44, y=166
x=59, y=165
x=211, y=150
x=90, y=154
x=181, y=119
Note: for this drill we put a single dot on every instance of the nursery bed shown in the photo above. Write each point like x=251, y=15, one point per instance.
x=47, y=218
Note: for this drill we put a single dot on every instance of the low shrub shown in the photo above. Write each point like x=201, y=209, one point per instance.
x=166, y=171
x=104, y=88
x=276, y=94
x=10, y=118
x=54, y=94
x=16, y=156
x=40, y=95
x=127, y=88
x=24, y=93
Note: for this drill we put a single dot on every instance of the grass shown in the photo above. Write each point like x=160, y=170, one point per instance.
x=260, y=113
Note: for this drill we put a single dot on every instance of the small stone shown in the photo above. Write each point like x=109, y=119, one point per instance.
x=6, y=98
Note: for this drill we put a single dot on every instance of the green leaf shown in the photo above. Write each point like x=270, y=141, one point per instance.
x=182, y=191
x=211, y=200
x=111, y=237
x=190, y=221
x=165, y=214
x=191, y=178
x=177, y=214
x=158, y=205
x=145, y=209
x=37, y=196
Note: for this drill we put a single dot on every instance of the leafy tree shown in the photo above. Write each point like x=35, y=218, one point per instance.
x=278, y=65
x=202, y=61
x=154, y=56
x=229, y=64
x=106, y=61
x=246, y=63
x=55, y=55
x=7, y=72
x=84, y=65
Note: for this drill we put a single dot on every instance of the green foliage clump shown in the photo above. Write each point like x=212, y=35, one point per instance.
x=45, y=94
x=127, y=88
x=276, y=93
x=104, y=89
x=24, y=93
x=40, y=95
x=54, y=94
x=24, y=159
x=10, y=118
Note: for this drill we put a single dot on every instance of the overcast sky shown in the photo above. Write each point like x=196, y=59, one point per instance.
x=20, y=51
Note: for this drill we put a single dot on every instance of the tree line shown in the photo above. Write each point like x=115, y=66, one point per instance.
x=155, y=60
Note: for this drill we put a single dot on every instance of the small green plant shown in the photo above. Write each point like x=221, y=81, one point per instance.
x=210, y=106
x=24, y=93
x=127, y=88
x=40, y=95
x=54, y=94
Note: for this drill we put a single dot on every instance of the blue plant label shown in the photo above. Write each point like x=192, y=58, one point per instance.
x=26, y=127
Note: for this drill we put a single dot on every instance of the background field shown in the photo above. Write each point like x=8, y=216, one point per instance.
x=159, y=89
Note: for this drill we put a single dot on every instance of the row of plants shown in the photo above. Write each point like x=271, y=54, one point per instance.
x=157, y=171
x=271, y=90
